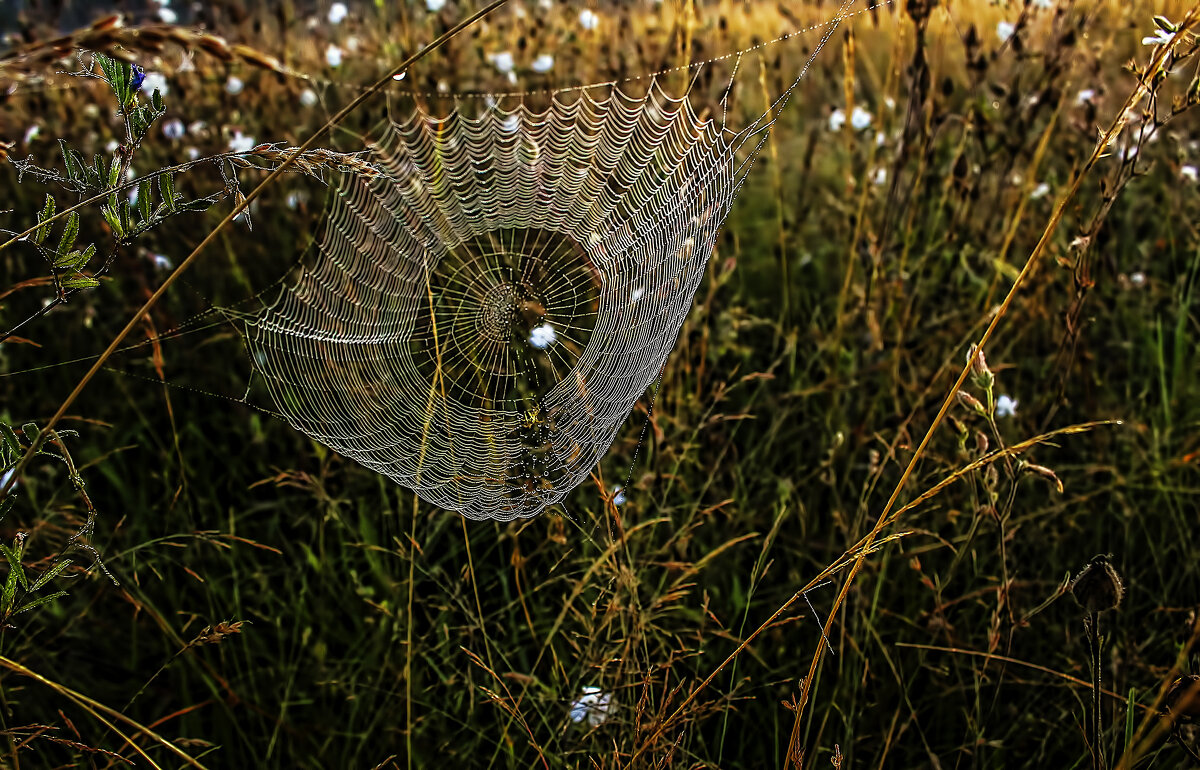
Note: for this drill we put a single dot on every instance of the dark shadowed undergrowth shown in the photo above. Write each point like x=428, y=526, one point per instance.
x=272, y=605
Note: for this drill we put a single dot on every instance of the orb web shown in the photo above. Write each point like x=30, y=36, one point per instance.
x=488, y=306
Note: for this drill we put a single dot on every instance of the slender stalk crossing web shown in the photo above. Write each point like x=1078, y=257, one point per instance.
x=487, y=309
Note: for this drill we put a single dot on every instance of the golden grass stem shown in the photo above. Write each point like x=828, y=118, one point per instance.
x=98, y=710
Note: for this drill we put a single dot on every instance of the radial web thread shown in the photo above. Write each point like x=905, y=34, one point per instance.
x=485, y=312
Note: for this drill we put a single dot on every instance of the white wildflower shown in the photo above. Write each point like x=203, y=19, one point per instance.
x=161, y=262
x=1085, y=96
x=333, y=56
x=1040, y=191
x=1043, y=4
x=542, y=337
x=1005, y=30
x=173, y=129
x=543, y=63
x=1138, y=278
x=337, y=13
x=1189, y=173
x=32, y=132
x=503, y=61
x=192, y=153
x=234, y=85
x=880, y=176
x=618, y=499
x=167, y=16
x=433, y=6
x=860, y=118
x=241, y=143
x=1006, y=406
x=592, y=705
x=588, y=19
x=111, y=146
x=308, y=98
x=837, y=119
x=155, y=81
x=1160, y=37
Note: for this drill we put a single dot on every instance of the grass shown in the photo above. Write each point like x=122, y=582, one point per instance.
x=378, y=631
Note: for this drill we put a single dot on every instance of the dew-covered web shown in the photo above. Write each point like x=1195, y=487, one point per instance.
x=486, y=310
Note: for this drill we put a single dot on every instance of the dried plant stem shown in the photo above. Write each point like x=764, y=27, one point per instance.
x=1091, y=628
x=238, y=209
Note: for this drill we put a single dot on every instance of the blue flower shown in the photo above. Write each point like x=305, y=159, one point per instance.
x=138, y=76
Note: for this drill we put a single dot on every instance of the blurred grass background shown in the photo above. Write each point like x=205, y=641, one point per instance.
x=856, y=268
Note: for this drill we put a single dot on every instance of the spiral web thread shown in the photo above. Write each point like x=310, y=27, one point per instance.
x=486, y=311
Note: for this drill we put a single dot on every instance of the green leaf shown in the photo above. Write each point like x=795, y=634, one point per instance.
x=114, y=172
x=10, y=438
x=69, y=261
x=70, y=232
x=107, y=65
x=144, y=194
x=47, y=211
x=70, y=160
x=99, y=170
x=114, y=221
x=38, y=602
x=13, y=555
x=137, y=124
x=10, y=590
x=80, y=282
x=119, y=80
x=50, y=574
x=76, y=259
x=126, y=220
x=200, y=204
x=157, y=100
x=166, y=188
x=30, y=431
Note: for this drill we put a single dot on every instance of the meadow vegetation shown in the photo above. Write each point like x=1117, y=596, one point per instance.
x=265, y=603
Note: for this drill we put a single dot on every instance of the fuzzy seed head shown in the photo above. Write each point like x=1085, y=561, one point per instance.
x=1098, y=587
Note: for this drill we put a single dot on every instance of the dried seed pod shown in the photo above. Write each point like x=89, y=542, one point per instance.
x=1183, y=699
x=1098, y=587
x=970, y=402
x=980, y=373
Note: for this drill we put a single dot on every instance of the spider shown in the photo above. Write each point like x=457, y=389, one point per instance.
x=535, y=433
x=536, y=430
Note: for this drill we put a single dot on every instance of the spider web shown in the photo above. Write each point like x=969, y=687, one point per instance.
x=486, y=309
